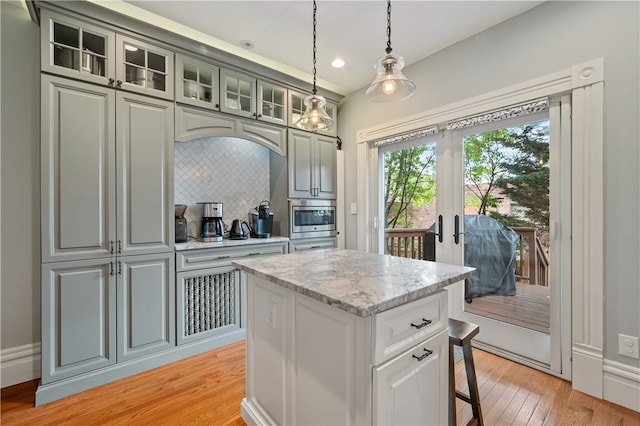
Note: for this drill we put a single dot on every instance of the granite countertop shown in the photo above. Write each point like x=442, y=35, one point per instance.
x=195, y=244
x=354, y=281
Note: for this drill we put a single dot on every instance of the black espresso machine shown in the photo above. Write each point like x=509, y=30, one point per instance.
x=261, y=220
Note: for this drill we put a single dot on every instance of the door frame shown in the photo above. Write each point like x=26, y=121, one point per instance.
x=585, y=83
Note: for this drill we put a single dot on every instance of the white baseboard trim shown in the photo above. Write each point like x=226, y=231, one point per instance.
x=586, y=371
x=622, y=384
x=19, y=364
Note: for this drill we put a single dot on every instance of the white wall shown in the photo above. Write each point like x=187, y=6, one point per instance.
x=551, y=37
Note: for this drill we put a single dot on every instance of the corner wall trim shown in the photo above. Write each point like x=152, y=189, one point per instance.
x=19, y=364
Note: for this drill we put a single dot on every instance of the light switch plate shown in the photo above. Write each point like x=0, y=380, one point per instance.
x=354, y=208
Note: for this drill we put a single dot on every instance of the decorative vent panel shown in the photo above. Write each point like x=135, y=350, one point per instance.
x=209, y=302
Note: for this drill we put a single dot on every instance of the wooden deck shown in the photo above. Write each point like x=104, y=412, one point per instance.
x=529, y=307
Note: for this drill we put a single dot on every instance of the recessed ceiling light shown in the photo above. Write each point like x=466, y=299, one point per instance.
x=247, y=44
x=337, y=63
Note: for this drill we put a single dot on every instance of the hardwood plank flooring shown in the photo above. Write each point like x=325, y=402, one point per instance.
x=528, y=308
x=207, y=389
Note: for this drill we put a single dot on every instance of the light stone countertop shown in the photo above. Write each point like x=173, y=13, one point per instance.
x=354, y=281
x=195, y=244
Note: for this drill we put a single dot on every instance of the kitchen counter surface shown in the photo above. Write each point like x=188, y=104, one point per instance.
x=195, y=245
x=354, y=281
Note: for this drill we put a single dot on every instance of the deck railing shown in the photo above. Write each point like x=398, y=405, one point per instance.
x=532, y=265
x=532, y=261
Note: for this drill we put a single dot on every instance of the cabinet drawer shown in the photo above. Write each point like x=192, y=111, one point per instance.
x=401, y=328
x=210, y=258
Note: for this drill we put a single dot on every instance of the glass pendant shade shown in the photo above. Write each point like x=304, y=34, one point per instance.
x=315, y=117
x=390, y=84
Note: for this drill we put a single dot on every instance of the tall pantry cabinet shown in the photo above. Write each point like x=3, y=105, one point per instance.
x=107, y=226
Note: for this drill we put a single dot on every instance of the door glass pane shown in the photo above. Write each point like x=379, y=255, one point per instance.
x=93, y=43
x=156, y=62
x=93, y=64
x=190, y=72
x=63, y=34
x=135, y=75
x=297, y=107
x=156, y=80
x=134, y=55
x=506, y=224
x=410, y=202
x=190, y=89
x=66, y=57
x=245, y=88
x=206, y=76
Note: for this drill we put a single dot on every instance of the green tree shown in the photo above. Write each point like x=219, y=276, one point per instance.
x=526, y=177
x=483, y=165
x=409, y=181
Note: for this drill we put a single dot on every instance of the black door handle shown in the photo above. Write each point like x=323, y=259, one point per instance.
x=439, y=234
x=456, y=229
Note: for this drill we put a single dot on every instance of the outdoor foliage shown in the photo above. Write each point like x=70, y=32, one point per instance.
x=409, y=181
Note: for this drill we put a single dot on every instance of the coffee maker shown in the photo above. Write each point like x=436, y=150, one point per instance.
x=181, y=224
x=212, y=227
x=261, y=220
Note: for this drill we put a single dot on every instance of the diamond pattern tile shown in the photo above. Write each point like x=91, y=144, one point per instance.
x=229, y=170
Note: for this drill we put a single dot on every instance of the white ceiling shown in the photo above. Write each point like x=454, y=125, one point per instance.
x=281, y=31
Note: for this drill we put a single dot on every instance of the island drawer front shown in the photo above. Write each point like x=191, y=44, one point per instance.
x=401, y=328
x=190, y=260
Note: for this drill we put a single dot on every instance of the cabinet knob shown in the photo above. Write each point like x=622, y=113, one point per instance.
x=111, y=82
x=119, y=83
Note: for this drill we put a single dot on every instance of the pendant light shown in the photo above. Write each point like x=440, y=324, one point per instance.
x=315, y=117
x=390, y=84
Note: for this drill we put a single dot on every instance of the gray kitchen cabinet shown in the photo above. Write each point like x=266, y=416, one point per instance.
x=78, y=318
x=144, y=68
x=296, y=109
x=194, y=123
x=244, y=95
x=77, y=49
x=210, y=292
x=145, y=305
x=307, y=244
x=197, y=83
x=74, y=48
x=312, y=165
x=83, y=180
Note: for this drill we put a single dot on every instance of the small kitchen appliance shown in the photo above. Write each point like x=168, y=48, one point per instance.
x=237, y=231
x=212, y=227
x=312, y=218
x=261, y=220
x=181, y=224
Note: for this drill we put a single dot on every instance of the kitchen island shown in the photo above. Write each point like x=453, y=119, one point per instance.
x=346, y=337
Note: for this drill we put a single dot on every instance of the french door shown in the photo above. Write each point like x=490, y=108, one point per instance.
x=500, y=204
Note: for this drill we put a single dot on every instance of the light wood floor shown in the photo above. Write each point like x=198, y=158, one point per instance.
x=207, y=390
x=529, y=307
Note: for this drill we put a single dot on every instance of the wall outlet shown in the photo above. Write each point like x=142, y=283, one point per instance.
x=354, y=208
x=628, y=346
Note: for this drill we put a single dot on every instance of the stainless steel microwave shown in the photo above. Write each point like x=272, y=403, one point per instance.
x=312, y=218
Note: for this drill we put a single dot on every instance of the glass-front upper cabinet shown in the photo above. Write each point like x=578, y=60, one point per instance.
x=144, y=68
x=76, y=49
x=244, y=95
x=297, y=108
x=197, y=83
x=238, y=93
x=272, y=103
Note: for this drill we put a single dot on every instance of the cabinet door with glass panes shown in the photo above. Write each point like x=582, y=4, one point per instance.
x=197, y=83
x=237, y=93
x=73, y=48
x=144, y=68
x=297, y=107
x=272, y=103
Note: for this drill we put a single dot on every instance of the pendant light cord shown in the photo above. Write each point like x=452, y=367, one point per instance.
x=314, y=47
x=388, y=49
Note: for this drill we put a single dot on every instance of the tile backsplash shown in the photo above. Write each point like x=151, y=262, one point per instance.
x=229, y=170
